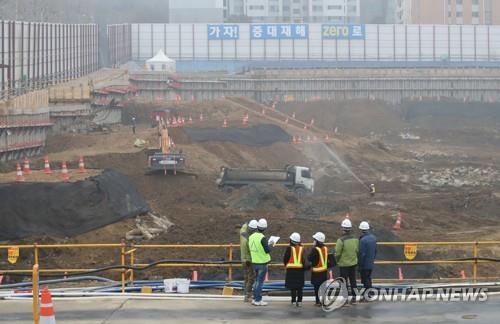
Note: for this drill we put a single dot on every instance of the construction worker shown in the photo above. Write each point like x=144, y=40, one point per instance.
x=294, y=264
x=246, y=261
x=346, y=255
x=133, y=124
x=372, y=190
x=259, y=252
x=367, y=255
x=318, y=257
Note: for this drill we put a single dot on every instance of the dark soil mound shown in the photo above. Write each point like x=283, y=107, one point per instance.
x=259, y=135
x=67, y=209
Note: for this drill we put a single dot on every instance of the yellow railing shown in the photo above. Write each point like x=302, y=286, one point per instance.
x=128, y=256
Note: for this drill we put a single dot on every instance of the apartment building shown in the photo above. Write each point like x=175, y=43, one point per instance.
x=299, y=11
x=468, y=12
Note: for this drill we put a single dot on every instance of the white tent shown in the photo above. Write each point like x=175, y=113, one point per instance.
x=160, y=62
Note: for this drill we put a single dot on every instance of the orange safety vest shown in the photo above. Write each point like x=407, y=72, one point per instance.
x=295, y=261
x=322, y=262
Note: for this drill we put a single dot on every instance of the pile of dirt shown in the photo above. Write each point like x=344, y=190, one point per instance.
x=261, y=196
x=258, y=135
x=67, y=209
x=459, y=177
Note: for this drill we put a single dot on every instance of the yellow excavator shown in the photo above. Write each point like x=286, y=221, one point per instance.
x=165, y=158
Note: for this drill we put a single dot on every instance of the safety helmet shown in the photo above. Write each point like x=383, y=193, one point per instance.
x=253, y=224
x=295, y=237
x=320, y=237
x=346, y=224
x=364, y=226
x=372, y=185
x=262, y=224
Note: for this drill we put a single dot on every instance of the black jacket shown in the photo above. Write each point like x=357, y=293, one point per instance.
x=294, y=278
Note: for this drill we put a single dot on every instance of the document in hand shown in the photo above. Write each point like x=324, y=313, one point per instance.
x=273, y=240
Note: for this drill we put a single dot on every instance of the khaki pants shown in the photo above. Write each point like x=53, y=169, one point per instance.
x=249, y=278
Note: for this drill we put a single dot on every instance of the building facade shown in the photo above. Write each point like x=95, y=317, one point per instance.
x=196, y=11
x=459, y=12
x=298, y=11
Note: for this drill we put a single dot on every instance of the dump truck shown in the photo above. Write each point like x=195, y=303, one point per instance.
x=296, y=178
x=166, y=157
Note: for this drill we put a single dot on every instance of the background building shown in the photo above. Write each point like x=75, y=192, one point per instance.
x=194, y=11
x=475, y=12
x=298, y=11
x=377, y=11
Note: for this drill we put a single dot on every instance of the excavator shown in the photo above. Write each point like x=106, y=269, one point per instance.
x=165, y=158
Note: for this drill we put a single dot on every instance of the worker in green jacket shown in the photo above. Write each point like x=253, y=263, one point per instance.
x=346, y=255
x=246, y=260
x=259, y=250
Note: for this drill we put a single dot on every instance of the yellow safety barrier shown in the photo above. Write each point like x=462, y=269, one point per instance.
x=35, y=290
x=131, y=251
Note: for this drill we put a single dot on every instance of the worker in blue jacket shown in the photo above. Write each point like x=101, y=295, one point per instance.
x=366, y=255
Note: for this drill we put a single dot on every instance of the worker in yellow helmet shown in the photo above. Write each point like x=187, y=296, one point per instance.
x=294, y=264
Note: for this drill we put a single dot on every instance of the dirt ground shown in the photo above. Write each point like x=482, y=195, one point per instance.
x=443, y=179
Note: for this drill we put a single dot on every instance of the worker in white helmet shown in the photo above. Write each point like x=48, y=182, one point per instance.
x=294, y=263
x=246, y=260
x=346, y=255
x=318, y=257
x=367, y=255
x=372, y=190
x=260, y=253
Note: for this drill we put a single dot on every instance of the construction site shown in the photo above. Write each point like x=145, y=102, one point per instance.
x=117, y=177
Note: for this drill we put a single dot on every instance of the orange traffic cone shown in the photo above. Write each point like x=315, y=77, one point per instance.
x=400, y=274
x=47, y=315
x=201, y=117
x=64, y=172
x=397, y=225
x=462, y=275
x=190, y=120
x=194, y=276
x=305, y=127
x=224, y=124
x=327, y=138
x=293, y=115
x=81, y=165
x=174, y=122
x=46, y=166
x=19, y=173
x=27, y=169
x=263, y=111
x=294, y=140
x=348, y=215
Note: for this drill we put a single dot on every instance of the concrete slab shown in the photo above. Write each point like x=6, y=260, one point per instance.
x=128, y=311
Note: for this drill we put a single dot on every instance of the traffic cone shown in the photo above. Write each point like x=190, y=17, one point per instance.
x=46, y=166
x=305, y=127
x=244, y=121
x=400, y=274
x=312, y=122
x=293, y=115
x=47, y=315
x=327, y=138
x=168, y=122
x=174, y=122
x=27, y=170
x=81, y=165
x=348, y=215
x=201, y=117
x=19, y=173
x=64, y=172
x=462, y=275
x=194, y=276
x=224, y=124
x=263, y=111
x=308, y=139
x=397, y=225
x=190, y=120
x=179, y=121
x=294, y=140
x=183, y=121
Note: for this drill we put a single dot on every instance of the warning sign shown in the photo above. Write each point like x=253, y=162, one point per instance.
x=13, y=254
x=410, y=251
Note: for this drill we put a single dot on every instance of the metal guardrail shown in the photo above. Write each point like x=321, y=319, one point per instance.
x=131, y=251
